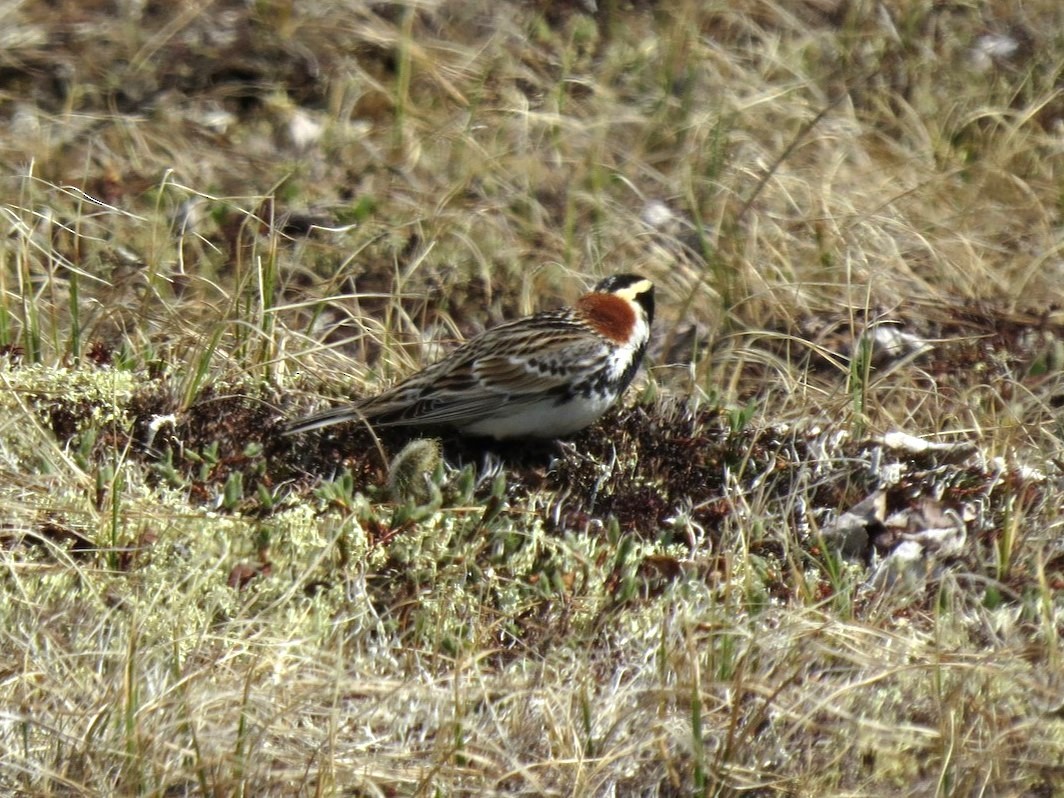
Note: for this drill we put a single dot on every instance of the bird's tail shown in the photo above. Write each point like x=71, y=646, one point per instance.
x=326, y=418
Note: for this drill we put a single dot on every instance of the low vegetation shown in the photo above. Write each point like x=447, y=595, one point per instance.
x=818, y=549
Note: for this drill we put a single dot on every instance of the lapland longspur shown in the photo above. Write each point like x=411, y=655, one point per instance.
x=543, y=376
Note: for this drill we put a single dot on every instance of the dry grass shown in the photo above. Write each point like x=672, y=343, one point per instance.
x=219, y=214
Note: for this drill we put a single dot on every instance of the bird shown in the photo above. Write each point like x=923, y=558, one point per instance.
x=543, y=376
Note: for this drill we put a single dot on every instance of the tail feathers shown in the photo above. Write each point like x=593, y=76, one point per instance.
x=326, y=418
x=371, y=411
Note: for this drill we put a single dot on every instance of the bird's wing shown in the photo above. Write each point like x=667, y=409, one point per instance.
x=482, y=381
